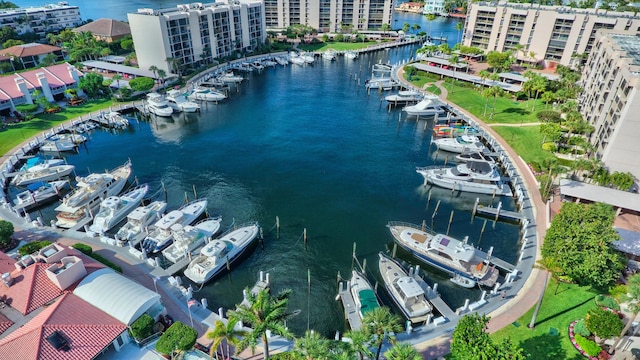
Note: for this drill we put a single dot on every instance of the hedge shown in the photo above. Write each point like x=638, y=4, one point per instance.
x=177, y=337
x=588, y=346
x=32, y=247
x=580, y=328
x=607, y=301
x=87, y=250
x=142, y=328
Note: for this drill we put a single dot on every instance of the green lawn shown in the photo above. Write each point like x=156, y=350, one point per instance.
x=338, y=46
x=17, y=133
x=526, y=141
x=570, y=303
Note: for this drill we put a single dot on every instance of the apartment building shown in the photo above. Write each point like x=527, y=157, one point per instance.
x=611, y=99
x=328, y=15
x=553, y=34
x=435, y=7
x=41, y=19
x=196, y=33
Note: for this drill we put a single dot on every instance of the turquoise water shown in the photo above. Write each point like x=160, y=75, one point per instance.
x=311, y=146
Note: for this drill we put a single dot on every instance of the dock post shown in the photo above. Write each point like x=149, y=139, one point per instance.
x=450, y=219
x=435, y=289
x=267, y=279
x=428, y=199
x=277, y=227
x=497, y=214
x=221, y=312
x=483, y=295
x=482, y=231
x=475, y=209
x=400, y=116
x=261, y=275
x=446, y=159
x=394, y=250
x=429, y=318
x=364, y=266
x=228, y=265
x=304, y=236
x=424, y=224
x=338, y=281
x=353, y=255
x=408, y=327
x=435, y=211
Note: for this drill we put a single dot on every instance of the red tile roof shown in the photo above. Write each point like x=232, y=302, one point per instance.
x=57, y=75
x=87, y=330
x=105, y=27
x=7, y=263
x=31, y=49
x=5, y=323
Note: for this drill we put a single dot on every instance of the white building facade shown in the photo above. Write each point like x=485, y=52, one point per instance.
x=554, y=34
x=611, y=99
x=42, y=19
x=196, y=33
x=327, y=15
x=435, y=7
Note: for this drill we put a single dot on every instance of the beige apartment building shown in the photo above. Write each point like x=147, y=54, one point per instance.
x=328, y=15
x=611, y=99
x=196, y=33
x=553, y=34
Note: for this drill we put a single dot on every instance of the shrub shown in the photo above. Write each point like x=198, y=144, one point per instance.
x=604, y=323
x=618, y=291
x=549, y=146
x=6, y=231
x=83, y=248
x=142, y=328
x=549, y=115
x=580, y=328
x=588, y=346
x=607, y=301
x=87, y=250
x=32, y=247
x=177, y=337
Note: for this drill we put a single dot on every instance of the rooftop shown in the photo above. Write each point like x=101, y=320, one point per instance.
x=630, y=44
x=617, y=198
x=31, y=49
x=106, y=27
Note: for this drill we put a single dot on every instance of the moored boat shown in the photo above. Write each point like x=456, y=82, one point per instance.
x=329, y=55
x=115, y=208
x=178, y=102
x=363, y=293
x=350, y=54
x=427, y=107
x=404, y=97
x=58, y=145
x=188, y=238
x=115, y=120
x=140, y=219
x=45, y=173
x=477, y=156
x=222, y=252
x=162, y=235
x=37, y=163
x=473, y=176
x=38, y=194
x=206, y=94
x=460, y=144
x=156, y=105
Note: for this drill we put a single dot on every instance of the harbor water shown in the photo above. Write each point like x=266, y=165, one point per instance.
x=310, y=145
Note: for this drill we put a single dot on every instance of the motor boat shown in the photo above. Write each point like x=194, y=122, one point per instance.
x=84, y=127
x=478, y=156
x=178, y=102
x=162, y=235
x=281, y=60
x=76, y=139
x=221, y=253
x=89, y=192
x=404, y=97
x=463, y=281
x=257, y=65
x=230, y=78
x=473, y=176
x=329, y=55
x=188, y=238
x=37, y=163
x=295, y=58
x=269, y=62
x=156, y=105
x=426, y=107
x=363, y=293
x=58, y=145
x=460, y=144
x=45, y=173
x=38, y=194
x=444, y=252
x=307, y=58
x=350, y=54
x=138, y=220
x=115, y=120
x=115, y=208
x=407, y=292
x=203, y=93
x=380, y=84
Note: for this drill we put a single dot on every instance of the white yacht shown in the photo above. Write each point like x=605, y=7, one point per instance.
x=427, y=107
x=230, y=78
x=407, y=292
x=329, y=55
x=178, y=102
x=44, y=173
x=257, y=65
x=460, y=144
x=307, y=58
x=295, y=58
x=404, y=97
x=141, y=218
x=157, y=106
x=115, y=120
x=380, y=84
x=203, y=93
x=89, y=192
x=472, y=176
x=221, y=252
x=38, y=194
x=350, y=54
x=58, y=145
x=188, y=238
x=37, y=163
x=444, y=252
x=281, y=60
x=478, y=156
x=115, y=208
x=363, y=293
x=162, y=235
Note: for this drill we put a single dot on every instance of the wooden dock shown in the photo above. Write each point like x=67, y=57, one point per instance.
x=351, y=313
x=442, y=307
x=497, y=213
x=261, y=284
x=499, y=263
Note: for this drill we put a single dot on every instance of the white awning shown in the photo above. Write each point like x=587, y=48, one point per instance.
x=616, y=198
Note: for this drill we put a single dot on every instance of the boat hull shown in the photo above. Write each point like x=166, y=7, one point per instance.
x=441, y=180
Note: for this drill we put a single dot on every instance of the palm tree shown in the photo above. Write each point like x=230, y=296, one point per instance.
x=263, y=313
x=226, y=333
x=454, y=61
x=161, y=75
x=173, y=64
x=381, y=324
x=385, y=27
x=117, y=78
x=415, y=27
x=430, y=18
x=359, y=343
x=402, y=351
x=484, y=75
x=312, y=346
x=459, y=27
x=154, y=69
x=495, y=92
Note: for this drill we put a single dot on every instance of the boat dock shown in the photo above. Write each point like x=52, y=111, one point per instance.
x=442, y=307
x=181, y=264
x=261, y=284
x=499, y=263
x=350, y=311
x=496, y=212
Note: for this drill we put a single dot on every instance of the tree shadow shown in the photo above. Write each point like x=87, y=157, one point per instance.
x=542, y=321
x=516, y=111
x=545, y=346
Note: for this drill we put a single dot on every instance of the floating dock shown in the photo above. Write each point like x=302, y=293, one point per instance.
x=497, y=213
x=351, y=313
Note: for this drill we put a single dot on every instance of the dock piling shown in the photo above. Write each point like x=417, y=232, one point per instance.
x=277, y=227
x=394, y=250
x=450, y=220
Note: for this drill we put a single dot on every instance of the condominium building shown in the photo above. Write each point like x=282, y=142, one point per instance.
x=41, y=19
x=327, y=15
x=554, y=34
x=611, y=99
x=196, y=33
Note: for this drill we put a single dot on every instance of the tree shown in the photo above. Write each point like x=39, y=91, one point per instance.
x=126, y=44
x=178, y=337
x=385, y=28
x=359, y=343
x=162, y=75
x=264, y=313
x=415, y=27
x=402, y=351
x=519, y=48
x=579, y=242
x=312, y=346
x=460, y=27
x=48, y=60
x=7, y=33
x=12, y=42
x=226, y=333
x=471, y=341
x=551, y=132
x=603, y=323
x=142, y=84
x=381, y=324
x=499, y=61
x=632, y=300
x=154, y=70
x=405, y=27
x=6, y=231
x=91, y=84
x=496, y=91
x=484, y=75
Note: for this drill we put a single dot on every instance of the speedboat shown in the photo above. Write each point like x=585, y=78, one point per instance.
x=202, y=93
x=157, y=106
x=363, y=294
x=281, y=60
x=73, y=138
x=37, y=163
x=58, y=145
x=90, y=190
x=115, y=208
x=460, y=144
x=380, y=83
x=187, y=238
x=269, y=62
x=179, y=102
x=230, y=78
x=406, y=291
x=463, y=281
x=38, y=194
x=477, y=156
x=221, y=253
x=257, y=65
x=295, y=58
x=140, y=219
x=472, y=176
x=404, y=97
x=307, y=58
x=45, y=173
x=350, y=54
x=443, y=252
x=162, y=235
x=329, y=55
x=427, y=107
x=114, y=119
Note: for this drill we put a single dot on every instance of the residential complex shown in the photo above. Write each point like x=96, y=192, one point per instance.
x=196, y=33
x=611, y=99
x=329, y=16
x=42, y=19
x=554, y=34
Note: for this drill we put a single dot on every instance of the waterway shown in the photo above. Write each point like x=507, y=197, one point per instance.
x=311, y=146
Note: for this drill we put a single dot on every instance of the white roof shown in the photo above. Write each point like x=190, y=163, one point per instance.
x=116, y=295
x=617, y=198
x=409, y=287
